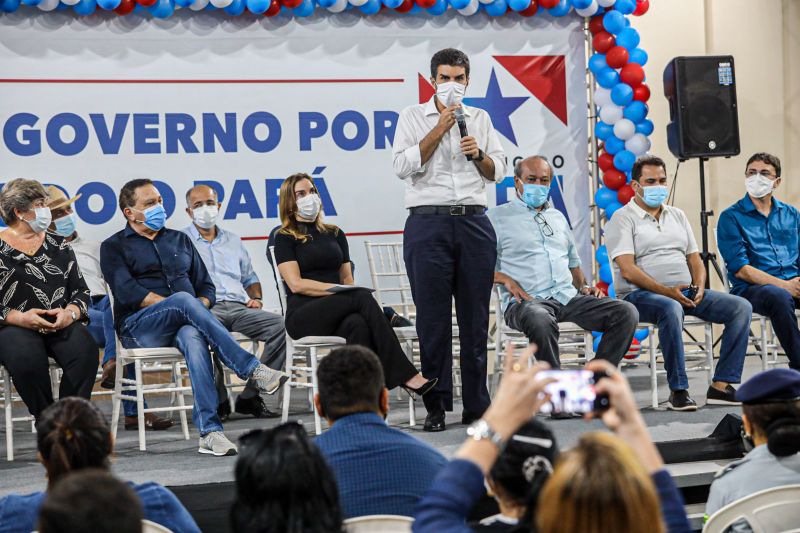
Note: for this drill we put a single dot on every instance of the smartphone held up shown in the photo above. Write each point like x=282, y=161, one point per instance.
x=573, y=391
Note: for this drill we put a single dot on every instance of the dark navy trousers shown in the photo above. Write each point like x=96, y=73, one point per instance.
x=452, y=257
x=778, y=304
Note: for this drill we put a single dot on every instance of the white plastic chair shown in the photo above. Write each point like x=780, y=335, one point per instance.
x=310, y=347
x=379, y=523
x=768, y=511
x=152, y=527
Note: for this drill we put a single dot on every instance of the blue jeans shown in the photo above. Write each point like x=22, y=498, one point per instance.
x=717, y=307
x=779, y=306
x=101, y=326
x=181, y=320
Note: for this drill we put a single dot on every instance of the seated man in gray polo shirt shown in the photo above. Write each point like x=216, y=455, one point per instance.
x=238, y=304
x=657, y=267
x=540, y=276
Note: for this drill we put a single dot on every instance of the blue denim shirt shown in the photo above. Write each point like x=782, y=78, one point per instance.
x=20, y=513
x=134, y=266
x=770, y=244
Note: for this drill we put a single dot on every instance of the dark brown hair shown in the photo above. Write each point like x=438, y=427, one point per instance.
x=127, y=194
x=769, y=159
x=287, y=209
x=450, y=57
x=646, y=161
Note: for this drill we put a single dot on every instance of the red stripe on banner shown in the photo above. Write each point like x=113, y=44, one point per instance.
x=355, y=80
x=362, y=234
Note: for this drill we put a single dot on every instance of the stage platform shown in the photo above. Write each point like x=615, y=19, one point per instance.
x=204, y=482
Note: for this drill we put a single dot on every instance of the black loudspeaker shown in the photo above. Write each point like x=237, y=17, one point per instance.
x=702, y=107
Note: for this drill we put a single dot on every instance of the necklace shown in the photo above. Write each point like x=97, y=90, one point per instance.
x=24, y=246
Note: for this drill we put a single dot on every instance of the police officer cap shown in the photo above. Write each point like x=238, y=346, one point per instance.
x=778, y=384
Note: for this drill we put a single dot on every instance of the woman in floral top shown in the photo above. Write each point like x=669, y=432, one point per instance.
x=43, y=302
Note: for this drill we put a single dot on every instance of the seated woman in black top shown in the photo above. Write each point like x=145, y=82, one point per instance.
x=43, y=302
x=312, y=257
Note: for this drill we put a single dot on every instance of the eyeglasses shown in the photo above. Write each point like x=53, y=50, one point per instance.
x=766, y=173
x=543, y=225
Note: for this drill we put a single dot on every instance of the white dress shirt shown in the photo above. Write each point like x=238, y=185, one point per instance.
x=88, y=255
x=447, y=178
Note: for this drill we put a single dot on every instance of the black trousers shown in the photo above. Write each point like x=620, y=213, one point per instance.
x=356, y=316
x=24, y=353
x=452, y=257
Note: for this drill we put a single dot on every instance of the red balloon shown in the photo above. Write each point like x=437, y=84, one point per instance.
x=605, y=161
x=530, y=10
x=632, y=74
x=291, y=4
x=125, y=7
x=547, y=4
x=146, y=3
x=617, y=57
x=625, y=193
x=603, y=286
x=405, y=7
x=273, y=9
x=641, y=93
x=425, y=4
x=641, y=7
x=596, y=24
x=603, y=42
x=614, y=179
x=634, y=350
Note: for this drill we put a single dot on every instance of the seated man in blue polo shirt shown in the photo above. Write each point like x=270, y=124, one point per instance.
x=759, y=239
x=540, y=276
x=378, y=469
x=239, y=305
x=162, y=295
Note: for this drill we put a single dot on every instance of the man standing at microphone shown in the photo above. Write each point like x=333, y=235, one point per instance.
x=447, y=154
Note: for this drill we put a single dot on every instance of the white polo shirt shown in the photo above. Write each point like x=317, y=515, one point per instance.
x=88, y=255
x=447, y=178
x=659, y=246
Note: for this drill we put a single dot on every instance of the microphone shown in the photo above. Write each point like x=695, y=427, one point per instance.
x=462, y=125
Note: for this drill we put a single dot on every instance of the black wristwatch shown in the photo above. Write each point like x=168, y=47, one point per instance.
x=481, y=156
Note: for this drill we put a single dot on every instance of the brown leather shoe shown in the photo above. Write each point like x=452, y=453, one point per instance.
x=109, y=374
x=152, y=422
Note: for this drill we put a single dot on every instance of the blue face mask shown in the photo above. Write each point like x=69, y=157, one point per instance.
x=535, y=195
x=65, y=226
x=654, y=195
x=155, y=217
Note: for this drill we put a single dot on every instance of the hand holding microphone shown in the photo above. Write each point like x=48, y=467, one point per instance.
x=469, y=146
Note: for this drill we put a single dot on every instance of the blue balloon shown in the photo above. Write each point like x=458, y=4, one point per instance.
x=628, y=38
x=614, y=145
x=31, y=2
x=622, y=94
x=108, y=5
x=612, y=292
x=84, y=7
x=596, y=342
x=371, y=7
x=597, y=63
x=497, y=8
x=624, y=160
x=256, y=6
x=9, y=6
x=605, y=269
x=604, y=196
x=581, y=4
x=603, y=131
x=636, y=111
x=326, y=3
x=607, y=77
x=628, y=177
x=307, y=7
x=626, y=7
x=561, y=9
x=518, y=5
x=638, y=56
x=235, y=8
x=614, y=22
x=596, y=334
x=601, y=255
x=645, y=127
x=438, y=8
x=641, y=334
x=459, y=4
x=610, y=210
x=182, y=3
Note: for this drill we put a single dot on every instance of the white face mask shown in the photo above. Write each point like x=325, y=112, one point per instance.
x=308, y=206
x=758, y=186
x=450, y=93
x=205, y=216
x=42, y=220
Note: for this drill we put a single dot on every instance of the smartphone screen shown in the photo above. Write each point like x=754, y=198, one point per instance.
x=572, y=392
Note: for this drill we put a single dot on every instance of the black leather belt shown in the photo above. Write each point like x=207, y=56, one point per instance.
x=452, y=210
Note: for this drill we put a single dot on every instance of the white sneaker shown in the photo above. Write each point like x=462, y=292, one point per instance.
x=216, y=443
x=268, y=380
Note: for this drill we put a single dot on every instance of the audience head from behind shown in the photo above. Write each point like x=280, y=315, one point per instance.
x=350, y=382
x=300, y=202
x=771, y=410
x=283, y=484
x=142, y=205
x=598, y=486
x=72, y=434
x=90, y=501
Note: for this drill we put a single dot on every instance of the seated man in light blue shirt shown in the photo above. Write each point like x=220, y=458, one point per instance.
x=238, y=300
x=540, y=273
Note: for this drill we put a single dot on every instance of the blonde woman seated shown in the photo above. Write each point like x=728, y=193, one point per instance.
x=313, y=258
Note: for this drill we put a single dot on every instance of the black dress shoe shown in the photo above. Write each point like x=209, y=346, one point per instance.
x=468, y=417
x=434, y=421
x=224, y=410
x=563, y=415
x=425, y=388
x=254, y=406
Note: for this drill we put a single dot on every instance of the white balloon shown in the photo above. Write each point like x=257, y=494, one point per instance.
x=639, y=144
x=471, y=8
x=610, y=113
x=198, y=5
x=602, y=96
x=587, y=11
x=606, y=3
x=485, y=2
x=71, y=2
x=358, y=3
x=221, y=4
x=48, y=5
x=624, y=129
x=338, y=6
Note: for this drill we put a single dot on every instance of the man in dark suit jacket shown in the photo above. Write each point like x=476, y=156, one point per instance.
x=379, y=470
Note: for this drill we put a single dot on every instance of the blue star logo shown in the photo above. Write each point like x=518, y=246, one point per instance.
x=499, y=107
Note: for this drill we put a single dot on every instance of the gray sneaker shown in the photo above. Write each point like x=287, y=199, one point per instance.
x=216, y=443
x=268, y=380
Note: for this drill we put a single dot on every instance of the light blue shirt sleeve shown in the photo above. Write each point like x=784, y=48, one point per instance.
x=572, y=251
x=249, y=275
